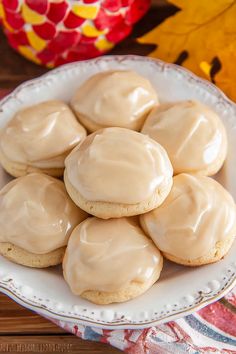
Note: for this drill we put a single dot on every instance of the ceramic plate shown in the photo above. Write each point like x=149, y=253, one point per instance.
x=180, y=290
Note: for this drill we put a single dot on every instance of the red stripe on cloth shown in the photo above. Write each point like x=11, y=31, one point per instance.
x=220, y=316
x=231, y=297
x=183, y=337
x=106, y=335
x=141, y=346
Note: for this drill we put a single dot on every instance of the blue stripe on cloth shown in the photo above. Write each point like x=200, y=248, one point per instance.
x=91, y=335
x=174, y=347
x=207, y=331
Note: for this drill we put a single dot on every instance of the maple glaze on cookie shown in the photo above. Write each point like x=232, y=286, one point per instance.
x=119, y=167
x=36, y=213
x=38, y=138
x=108, y=256
x=114, y=99
x=196, y=224
x=192, y=134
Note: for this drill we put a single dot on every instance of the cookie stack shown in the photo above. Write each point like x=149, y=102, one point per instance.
x=119, y=210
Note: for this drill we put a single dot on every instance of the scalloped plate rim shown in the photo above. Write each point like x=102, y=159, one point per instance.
x=6, y=286
x=119, y=324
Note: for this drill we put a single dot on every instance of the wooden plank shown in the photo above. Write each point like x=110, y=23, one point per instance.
x=22, y=331
x=27, y=324
x=52, y=345
x=16, y=319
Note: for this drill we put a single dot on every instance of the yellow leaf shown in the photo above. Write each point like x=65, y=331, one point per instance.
x=201, y=28
x=226, y=77
x=206, y=68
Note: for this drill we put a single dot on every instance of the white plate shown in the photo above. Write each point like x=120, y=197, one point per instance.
x=180, y=290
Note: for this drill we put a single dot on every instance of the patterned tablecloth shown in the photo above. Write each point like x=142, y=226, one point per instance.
x=210, y=330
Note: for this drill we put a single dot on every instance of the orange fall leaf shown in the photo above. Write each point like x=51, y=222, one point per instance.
x=205, y=30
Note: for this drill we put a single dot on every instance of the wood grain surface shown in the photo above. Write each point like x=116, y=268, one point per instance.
x=22, y=331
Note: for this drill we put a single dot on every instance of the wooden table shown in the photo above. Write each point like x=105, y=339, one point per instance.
x=22, y=331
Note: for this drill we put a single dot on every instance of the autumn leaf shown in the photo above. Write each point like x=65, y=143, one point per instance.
x=201, y=28
x=226, y=77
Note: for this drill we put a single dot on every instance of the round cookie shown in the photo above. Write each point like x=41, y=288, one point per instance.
x=38, y=139
x=196, y=224
x=110, y=261
x=36, y=219
x=114, y=99
x=19, y=255
x=192, y=134
x=117, y=172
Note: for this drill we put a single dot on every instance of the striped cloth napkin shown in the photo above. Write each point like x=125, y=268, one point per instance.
x=210, y=330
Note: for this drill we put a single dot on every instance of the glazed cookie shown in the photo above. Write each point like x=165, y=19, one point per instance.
x=38, y=139
x=110, y=260
x=117, y=172
x=192, y=134
x=114, y=99
x=196, y=224
x=36, y=219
